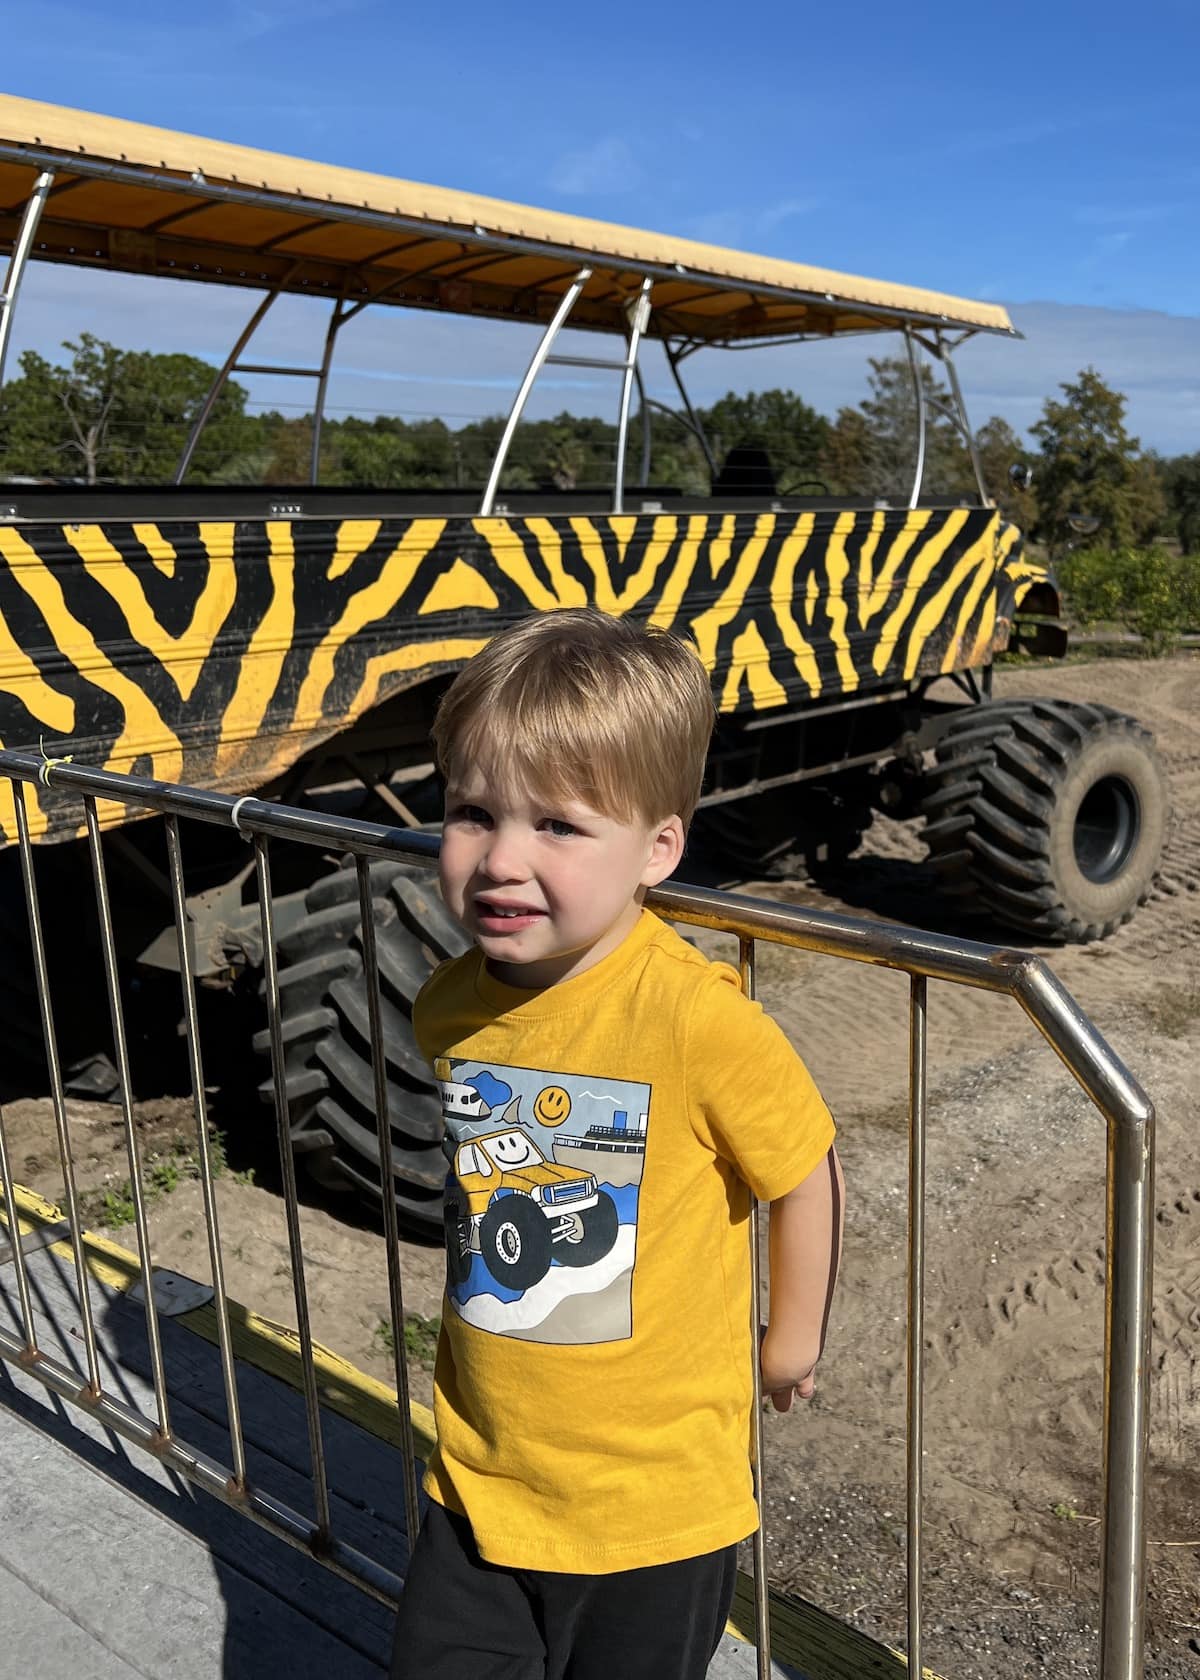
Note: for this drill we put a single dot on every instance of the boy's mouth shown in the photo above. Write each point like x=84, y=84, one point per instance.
x=508, y=918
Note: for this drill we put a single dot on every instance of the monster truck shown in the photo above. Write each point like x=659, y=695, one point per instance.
x=523, y=1211
x=293, y=642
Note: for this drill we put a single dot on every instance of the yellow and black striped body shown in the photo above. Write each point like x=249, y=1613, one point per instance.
x=217, y=653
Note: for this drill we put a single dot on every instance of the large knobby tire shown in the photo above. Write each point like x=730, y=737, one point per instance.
x=1049, y=815
x=514, y=1240
x=327, y=1059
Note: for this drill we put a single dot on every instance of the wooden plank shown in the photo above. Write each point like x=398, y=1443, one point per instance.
x=270, y=1347
x=105, y=1574
x=323, y=1599
x=818, y=1645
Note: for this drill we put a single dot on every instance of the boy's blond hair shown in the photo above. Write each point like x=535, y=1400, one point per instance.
x=574, y=704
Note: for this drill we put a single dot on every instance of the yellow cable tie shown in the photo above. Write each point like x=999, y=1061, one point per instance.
x=48, y=764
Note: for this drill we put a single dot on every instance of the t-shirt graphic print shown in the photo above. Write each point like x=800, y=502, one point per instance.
x=542, y=1199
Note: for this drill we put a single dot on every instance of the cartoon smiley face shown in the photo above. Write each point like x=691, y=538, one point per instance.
x=551, y=1106
x=513, y=1149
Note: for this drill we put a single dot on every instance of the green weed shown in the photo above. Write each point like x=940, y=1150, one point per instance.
x=420, y=1338
x=162, y=1173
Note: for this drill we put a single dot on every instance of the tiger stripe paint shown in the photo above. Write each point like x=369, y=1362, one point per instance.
x=218, y=653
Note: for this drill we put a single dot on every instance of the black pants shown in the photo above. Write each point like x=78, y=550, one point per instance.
x=464, y=1619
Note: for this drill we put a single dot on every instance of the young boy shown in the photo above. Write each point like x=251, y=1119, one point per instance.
x=609, y=1094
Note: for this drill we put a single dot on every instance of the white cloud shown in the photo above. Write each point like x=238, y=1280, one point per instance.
x=607, y=166
x=769, y=218
x=398, y=361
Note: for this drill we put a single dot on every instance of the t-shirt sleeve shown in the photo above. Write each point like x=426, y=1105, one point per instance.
x=752, y=1099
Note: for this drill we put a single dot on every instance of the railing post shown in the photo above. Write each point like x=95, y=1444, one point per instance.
x=1128, y=1295
x=915, y=1395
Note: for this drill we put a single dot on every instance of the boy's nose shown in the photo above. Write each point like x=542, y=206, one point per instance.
x=504, y=859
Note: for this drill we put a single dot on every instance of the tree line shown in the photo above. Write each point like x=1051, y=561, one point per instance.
x=108, y=415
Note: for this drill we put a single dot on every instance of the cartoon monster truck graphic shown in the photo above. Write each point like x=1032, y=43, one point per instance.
x=523, y=1211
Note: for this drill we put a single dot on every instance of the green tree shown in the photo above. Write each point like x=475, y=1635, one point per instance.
x=117, y=416
x=999, y=448
x=845, y=460
x=565, y=455
x=890, y=411
x=1092, y=478
x=782, y=423
x=1181, y=481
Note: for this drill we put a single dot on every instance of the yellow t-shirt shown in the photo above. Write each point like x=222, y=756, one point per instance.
x=593, y=1383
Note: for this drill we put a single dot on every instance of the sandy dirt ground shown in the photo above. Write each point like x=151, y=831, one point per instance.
x=1015, y=1268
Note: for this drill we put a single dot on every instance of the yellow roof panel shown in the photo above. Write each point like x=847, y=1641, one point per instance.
x=139, y=199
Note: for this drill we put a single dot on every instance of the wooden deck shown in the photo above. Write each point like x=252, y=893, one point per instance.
x=114, y=1566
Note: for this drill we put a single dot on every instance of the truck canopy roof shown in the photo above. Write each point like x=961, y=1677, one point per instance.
x=137, y=199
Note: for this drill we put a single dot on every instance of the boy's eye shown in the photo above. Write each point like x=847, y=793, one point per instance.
x=560, y=828
x=468, y=814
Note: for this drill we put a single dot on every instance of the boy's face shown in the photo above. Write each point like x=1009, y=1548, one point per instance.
x=545, y=889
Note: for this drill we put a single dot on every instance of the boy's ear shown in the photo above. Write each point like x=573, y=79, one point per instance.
x=666, y=849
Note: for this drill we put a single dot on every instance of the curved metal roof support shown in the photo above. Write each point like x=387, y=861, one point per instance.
x=536, y=363
x=674, y=357
x=922, y=418
x=17, y=262
x=218, y=384
x=960, y=417
x=644, y=412
x=942, y=349
x=638, y=312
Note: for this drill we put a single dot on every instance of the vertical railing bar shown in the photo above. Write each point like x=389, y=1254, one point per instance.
x=391, y=1229
x=291, y=1206
x=57, y=1095
x=121, y=1052
x=14, y=1237
x=191, y=1027
x=762, y=1603
x=1128, y=1297
x=915, y=1396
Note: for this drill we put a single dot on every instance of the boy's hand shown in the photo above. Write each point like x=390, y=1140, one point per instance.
x=787, y=1372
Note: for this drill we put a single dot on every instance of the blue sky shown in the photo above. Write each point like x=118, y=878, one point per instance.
x=1041, y=156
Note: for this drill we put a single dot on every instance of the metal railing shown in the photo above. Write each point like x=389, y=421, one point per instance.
x=1128, y=1114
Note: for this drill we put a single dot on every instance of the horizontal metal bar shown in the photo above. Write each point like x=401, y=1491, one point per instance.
x=270, y=367
x=207, y=1473
x=789, y=778
x=589, y=362
x=255, y=816
x=771, y=720
x=993, y=968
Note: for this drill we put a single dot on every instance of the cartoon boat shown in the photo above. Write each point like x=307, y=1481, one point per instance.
x=613, y=1153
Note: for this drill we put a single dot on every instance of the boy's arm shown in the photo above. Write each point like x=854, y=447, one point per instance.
x=805, y=1244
